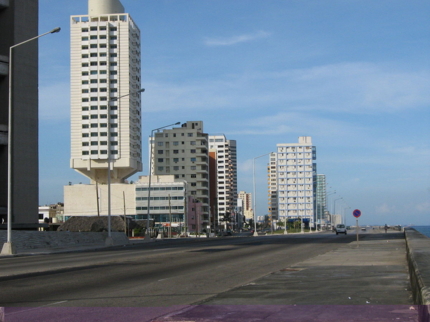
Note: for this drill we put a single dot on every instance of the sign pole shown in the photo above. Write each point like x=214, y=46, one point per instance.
x=356, y=224
x=356, y=213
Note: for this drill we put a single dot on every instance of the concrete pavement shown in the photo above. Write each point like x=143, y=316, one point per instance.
x=364, y=282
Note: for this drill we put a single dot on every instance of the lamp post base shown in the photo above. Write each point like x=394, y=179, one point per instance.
x=8, y=249
x=109, y=241
x=147, y=237
x=255, y=234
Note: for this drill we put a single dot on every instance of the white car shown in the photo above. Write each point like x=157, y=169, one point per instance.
x=340, y=229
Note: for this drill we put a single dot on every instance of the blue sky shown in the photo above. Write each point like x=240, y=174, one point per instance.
x=353, y=74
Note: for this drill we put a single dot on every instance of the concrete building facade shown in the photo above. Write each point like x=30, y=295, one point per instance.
x=105, y=98
x=183, y=153
x=246, y=198
x=223, y=174
x=296, y=180
x=167, y=199
x=321, y=198
x=18, y=23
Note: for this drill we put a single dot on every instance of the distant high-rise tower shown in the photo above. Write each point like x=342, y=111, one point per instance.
x=105, y=103
x=296, y=175
x=321, y=198
x=223, y=173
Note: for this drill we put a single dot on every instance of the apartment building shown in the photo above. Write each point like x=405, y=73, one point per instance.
x=272, y=183
x=223, y=174
x=183, y=152
x=296, y=180
x=105, y=97
x=321, y=198
x=18, y=23
x=247, y=207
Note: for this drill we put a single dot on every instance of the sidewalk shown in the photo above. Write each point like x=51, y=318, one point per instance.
x=365, y=283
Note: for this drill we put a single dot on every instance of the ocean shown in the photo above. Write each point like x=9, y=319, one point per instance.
x=425, y=230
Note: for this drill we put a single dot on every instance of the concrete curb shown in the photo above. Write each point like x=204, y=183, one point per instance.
x=53, y=241
x=418, y=258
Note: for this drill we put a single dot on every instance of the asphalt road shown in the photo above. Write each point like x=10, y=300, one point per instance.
x=150, y=274
x=163, y=274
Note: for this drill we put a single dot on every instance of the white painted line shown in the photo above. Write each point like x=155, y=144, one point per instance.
x=36, y=308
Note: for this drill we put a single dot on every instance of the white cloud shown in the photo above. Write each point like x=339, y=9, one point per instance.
x=353, y=88
x=229, y=41
x=384, y=209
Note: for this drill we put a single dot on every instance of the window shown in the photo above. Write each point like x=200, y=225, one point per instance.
x=175, y=151
x=193, y=151
x=113, y=72
x=193, y=176
x=160, y=159
x=190, y=134
x=160, y=151
x=93, y=46
x=94, y=152
x=94, y=143
x=93, y=134
x=84, y=82
x=94, y=108
x=175, y=143
x=85, y=117
x=84, y=47
x=193, y=167
x=94, y=125
x=85, y=65
x=85, y=153
x=85, y=135
x=84, y=91
x=193, y=159
x=85, y=126
x=94, y=90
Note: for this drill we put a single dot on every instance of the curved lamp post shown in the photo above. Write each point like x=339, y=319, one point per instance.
x=109, y=240
x=147, y=235
x=8, y=247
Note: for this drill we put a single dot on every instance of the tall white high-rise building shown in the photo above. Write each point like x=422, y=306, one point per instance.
x=105, y=98
x=296, y=180
x=223, y=174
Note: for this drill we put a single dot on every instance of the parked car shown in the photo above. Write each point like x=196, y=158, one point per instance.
x=340, y=229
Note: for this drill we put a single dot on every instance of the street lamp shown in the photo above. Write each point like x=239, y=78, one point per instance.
x=8, y=247
x=255, y=197
x=109, y=240
x=147, y=235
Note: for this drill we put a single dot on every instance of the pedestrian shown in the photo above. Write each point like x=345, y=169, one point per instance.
x=386, y=228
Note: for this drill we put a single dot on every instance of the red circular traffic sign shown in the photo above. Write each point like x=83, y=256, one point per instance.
x=356, y=213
